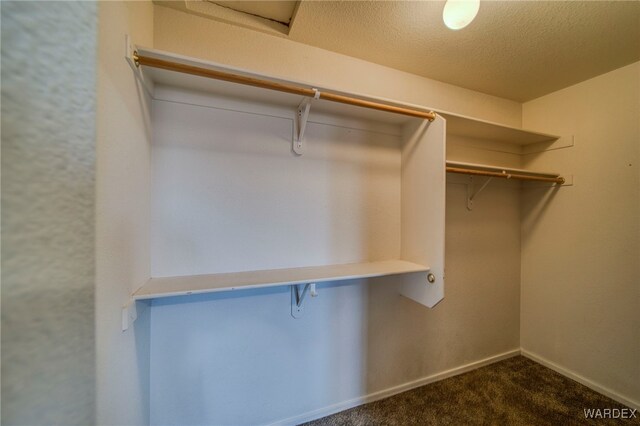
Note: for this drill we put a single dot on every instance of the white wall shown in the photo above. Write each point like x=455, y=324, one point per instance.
x=48, y=169
x=241, y=359
x=581, y=245
x=122, y=220
x=229, y=194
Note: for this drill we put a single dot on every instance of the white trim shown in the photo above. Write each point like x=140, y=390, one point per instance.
x=580, y=379
x=385, y=393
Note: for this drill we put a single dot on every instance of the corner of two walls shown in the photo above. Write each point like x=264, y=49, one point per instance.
x=581, y=243
x=122, y=207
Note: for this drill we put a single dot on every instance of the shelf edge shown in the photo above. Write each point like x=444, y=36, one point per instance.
x=160, y=54
x=141, y=294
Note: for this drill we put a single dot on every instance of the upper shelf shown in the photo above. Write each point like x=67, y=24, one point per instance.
x=196, y=284
x=456, y=124
x=460, y=125
x=203, y=76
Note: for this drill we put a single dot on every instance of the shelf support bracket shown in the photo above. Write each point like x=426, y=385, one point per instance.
x=298, y=293
x=300, y=122
x=129, y=314
x=471, y=195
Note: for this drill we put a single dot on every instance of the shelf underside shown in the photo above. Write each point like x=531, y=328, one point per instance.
x=479, y=129
x=197, y=284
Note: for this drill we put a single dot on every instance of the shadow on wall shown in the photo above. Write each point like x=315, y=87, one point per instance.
x=240, y=358
x=535, y=204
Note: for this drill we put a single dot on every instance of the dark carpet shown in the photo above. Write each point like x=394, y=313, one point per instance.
x=516, y=391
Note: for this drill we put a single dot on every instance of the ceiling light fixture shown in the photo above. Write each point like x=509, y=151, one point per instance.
x=457, y=14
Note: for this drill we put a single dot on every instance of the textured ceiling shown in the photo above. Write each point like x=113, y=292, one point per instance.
x=517, y=50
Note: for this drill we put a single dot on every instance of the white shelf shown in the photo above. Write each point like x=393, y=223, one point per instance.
x=468, y=127
x=205, y=131
x=256, y=95
x=196, y=284
x=457, y=124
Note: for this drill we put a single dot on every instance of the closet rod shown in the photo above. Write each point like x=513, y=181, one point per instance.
x=505, y=175
x=266, y=84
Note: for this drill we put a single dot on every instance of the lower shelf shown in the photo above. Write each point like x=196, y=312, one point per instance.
x=196, y=284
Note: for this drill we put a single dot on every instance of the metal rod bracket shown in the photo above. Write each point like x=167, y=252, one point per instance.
x=471, y=195
x=133, y=59
x=298, y=293
x=300, y=122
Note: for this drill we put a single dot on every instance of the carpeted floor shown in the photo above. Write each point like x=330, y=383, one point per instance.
x=516, y=391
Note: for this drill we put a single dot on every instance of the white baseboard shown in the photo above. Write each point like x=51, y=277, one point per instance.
x=385, y=393
x=580, y=379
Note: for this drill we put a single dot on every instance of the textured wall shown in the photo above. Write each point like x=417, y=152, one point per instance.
x=48, y=166
x=581, y=245
x=122, y=219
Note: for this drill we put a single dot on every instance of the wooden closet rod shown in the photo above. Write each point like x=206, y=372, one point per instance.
x=505, y=175
x=266, y=84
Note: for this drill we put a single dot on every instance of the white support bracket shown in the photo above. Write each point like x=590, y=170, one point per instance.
x=298, y=294
x=129, y=314
x=471, y=195
x=300, y=123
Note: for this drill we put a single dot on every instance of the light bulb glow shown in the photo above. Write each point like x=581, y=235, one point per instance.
x=458, y=14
